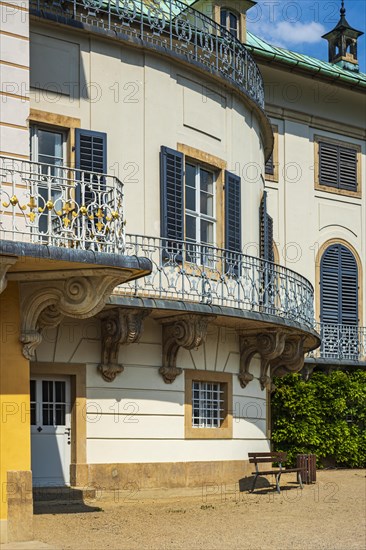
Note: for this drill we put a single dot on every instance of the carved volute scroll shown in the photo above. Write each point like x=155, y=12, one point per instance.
x=119, y=326
x=5, y=264
x=45, y=303
x=189, y=332
x=268, y=344
x=280, y=353
x=292, y=358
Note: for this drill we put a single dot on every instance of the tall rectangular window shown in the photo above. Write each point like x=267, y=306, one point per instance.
x=200, y=221
x=48, y=148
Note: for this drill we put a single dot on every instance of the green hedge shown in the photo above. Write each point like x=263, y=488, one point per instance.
x=325, y=415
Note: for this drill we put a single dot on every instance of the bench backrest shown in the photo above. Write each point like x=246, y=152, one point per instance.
x=257, y=458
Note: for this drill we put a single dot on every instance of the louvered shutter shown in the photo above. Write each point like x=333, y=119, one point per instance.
x=337, y=166
x=328, y=164
x=269, y=167
x=339, y=286
x=347, y=168
x=266, y=231
x=232, y=223
x=172, y=201
x=90, y=156
x=349, y=287
x=91, y=151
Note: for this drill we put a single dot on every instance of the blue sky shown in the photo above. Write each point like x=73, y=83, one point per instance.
x=299, y=25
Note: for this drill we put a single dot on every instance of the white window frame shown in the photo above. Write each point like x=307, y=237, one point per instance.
x=34, y=129
x=197, y=213
x=205, y=391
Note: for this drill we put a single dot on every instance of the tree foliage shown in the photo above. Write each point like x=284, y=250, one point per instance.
x=325, y=415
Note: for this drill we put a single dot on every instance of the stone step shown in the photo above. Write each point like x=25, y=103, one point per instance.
x=63, y=494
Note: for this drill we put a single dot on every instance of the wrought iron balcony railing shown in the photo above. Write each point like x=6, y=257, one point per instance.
x=340, y=342
x=208, y=275
x=60, y=206
x=170, y=25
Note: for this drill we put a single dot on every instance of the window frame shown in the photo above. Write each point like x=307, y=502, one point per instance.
x=197, y=214
x=225, y=431
x=218, y=167
x=227, y=26
x=327, y=188
x=34, y=128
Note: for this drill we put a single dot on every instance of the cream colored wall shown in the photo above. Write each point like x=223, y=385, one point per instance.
x=306, y=218
x=14, y=78
x=139, y=418
x=144, y=102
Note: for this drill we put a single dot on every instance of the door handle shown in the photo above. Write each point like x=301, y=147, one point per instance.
x=68, y=433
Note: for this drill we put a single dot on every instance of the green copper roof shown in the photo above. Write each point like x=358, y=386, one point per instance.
x=302, y=62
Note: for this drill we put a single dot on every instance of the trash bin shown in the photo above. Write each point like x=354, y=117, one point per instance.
x=307, y=464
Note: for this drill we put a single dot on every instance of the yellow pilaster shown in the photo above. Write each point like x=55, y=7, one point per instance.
x=14, y=398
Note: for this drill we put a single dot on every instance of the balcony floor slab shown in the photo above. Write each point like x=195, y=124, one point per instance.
x=35, y=262
x=229, y=317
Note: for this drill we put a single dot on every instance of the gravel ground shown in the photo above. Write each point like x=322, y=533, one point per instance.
x=328, y=515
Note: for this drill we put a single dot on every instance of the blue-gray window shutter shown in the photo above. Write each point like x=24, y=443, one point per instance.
x=269, y=166
x=233, y=242
x=339, y=286
x=266, y=231
x=337, y=166
x=232, y=212
x=91, y=151
x=172, y=199
x=90, y=156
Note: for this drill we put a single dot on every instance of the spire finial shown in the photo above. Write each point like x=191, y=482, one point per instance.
x=343, y=9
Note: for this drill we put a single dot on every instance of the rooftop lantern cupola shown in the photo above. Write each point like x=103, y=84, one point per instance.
x=343, y=43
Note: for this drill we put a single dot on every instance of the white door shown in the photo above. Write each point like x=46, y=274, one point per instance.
x=50, y=431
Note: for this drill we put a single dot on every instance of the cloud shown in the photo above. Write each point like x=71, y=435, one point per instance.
x=299, y=33
x=285, y=34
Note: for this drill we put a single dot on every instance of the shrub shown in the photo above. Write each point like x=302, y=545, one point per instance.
x=325, y=415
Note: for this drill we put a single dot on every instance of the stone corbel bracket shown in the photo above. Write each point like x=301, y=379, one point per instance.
x=292, y=358
x=269, y=344
x=45, y=303
x=119, y=327
x=189, y=332
x=5, y=264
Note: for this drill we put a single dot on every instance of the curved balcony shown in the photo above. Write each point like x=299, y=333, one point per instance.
x=60, y=206
x=343, y=344
x=169, y=26
x=207, y=275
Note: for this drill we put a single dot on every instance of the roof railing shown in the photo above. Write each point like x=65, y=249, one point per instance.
x=171, y=26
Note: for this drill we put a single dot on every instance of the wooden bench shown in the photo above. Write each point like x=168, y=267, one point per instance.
x=260, y=458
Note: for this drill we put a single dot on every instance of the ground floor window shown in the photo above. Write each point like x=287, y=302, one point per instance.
x=208, y=405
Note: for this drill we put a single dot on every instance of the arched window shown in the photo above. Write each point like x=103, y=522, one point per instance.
x=230, y=21
x=339, y=286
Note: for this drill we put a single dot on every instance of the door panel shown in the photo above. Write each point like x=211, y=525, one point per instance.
x=50, y=431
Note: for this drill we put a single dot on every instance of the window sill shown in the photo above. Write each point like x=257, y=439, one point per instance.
x=208, y=433
x=340, y=192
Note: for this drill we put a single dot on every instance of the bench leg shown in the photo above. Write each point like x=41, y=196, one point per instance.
x=254, y=482
x=299, y=479
x=278, y=477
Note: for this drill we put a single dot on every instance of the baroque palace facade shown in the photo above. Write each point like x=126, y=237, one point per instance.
x=182, y=217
